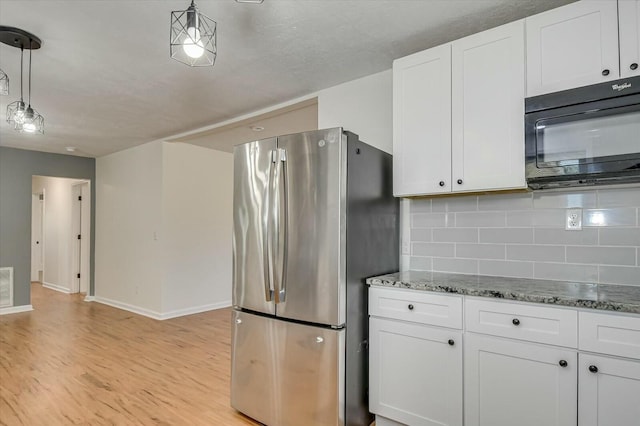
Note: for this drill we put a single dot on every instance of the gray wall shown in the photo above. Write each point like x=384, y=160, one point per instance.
x=17, y=166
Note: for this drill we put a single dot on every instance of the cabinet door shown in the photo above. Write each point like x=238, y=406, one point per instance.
x=629, y=21
x=609, y=391
x=415, y=374
x=572, y=46
x=511, y=383
x=422, y=122
x=488, y=109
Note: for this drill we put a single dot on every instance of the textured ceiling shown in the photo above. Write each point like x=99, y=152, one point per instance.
x=104, y=81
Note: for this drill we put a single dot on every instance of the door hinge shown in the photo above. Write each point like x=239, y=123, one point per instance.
x=79, y=197
x=79, y=237
x=78, y=275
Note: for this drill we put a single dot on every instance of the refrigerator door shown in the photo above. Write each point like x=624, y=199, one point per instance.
x=285, y=373
x=252, y=173
x=311, y=186
x=254, y=381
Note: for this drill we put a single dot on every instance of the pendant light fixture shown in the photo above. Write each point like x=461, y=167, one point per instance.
x=4, y=83
x=23, y=119
x=193, y=37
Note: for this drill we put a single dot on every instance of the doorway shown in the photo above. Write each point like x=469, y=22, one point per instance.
x=60, y=228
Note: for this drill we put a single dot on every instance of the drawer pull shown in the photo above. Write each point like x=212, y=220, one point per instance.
x=441, y=183
x=563, y=363
x=410, y=307
x=593, y=368
x=516, y=321
x=451, y=342
x=634, y=66
x=605, y=72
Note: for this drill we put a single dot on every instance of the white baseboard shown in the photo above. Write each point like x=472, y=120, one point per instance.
x=88, y=298
x=195, y=310
x=127, y=307
x=16, y=309
x=56, y=288
x=157, y=315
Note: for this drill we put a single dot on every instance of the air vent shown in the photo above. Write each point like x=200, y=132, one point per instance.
x=6, y=287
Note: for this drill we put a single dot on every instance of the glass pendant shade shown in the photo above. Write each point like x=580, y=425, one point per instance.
x=32, y=123
x=193, y=38
x=4, y=83
x=15, y=113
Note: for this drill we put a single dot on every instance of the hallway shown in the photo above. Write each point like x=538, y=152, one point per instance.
x=71, y=362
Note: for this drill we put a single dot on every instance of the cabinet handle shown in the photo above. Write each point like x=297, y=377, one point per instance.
x=634, y=66
x=451, y=342
x=593, y=368
x=516, y=321
x=605, y=72
x=459, y=181
x=563, y=363
x=441, y=183
x=410, y=307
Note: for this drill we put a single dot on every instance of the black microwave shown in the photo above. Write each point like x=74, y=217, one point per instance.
x=584, y=136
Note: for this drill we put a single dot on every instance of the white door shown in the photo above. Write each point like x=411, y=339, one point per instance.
x=80, y=236
x=629, y=20
x=609, y=391
x=422, y=122
x=488, y=105
x=36, y=237
x=572, y=46
x=510, y=383
x=415, y=373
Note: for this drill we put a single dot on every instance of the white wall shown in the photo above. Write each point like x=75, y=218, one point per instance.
x=363, y=106
x=197, y=219
x=128, y=269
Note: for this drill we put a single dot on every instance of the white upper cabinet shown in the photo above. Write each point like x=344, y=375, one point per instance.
x=458, y=115
x=488, y=108
x=576, y=45
x=422, y=122
x=629, y=12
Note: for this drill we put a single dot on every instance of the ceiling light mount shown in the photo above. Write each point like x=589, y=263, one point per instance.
x=19, y=38
x=193, y=37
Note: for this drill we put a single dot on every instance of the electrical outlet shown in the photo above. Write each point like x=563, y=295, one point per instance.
x=574, y=220
x=406, y=247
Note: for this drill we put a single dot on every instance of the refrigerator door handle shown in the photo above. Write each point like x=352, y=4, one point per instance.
x=278, y=253
x=268, y=283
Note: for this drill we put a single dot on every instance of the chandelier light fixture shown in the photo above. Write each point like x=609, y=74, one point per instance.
x=22, y=118
x=193, y=37
x=4, y=83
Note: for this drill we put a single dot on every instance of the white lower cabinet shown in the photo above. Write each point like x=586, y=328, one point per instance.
x=416, y=373
x=524, y=364
x=609, y=391
x=510, y=383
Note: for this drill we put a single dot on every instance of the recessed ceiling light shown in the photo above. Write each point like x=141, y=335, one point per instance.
x=257, y=128
x=70, y=149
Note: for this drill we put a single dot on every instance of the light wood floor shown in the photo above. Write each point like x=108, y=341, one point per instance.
x=71, y=362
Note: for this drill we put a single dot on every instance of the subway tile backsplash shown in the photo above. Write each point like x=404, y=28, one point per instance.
x=523, y=235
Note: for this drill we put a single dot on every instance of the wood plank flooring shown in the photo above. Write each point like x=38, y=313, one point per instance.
x=71, y=362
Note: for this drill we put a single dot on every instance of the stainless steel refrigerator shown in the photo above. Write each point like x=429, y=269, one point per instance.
x=314, y=215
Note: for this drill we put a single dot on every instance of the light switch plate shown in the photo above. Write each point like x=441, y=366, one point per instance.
x=573, y=220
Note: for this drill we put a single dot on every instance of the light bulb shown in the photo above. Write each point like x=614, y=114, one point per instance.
x=19, y=114
x=192, y=45
x=29, y=127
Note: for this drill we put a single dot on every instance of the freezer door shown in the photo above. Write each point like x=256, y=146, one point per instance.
x=311, y=183
x=285, y=373
x=254, y=381
x=252, y=172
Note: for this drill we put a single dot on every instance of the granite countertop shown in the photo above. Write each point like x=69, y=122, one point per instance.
x=607, y=297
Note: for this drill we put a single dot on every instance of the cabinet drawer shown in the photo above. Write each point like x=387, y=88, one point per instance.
x=534, y=323
x=610, y=334
x=416, y=306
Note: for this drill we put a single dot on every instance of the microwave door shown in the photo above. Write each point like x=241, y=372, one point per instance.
x=252, y=174
x=595, y=141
